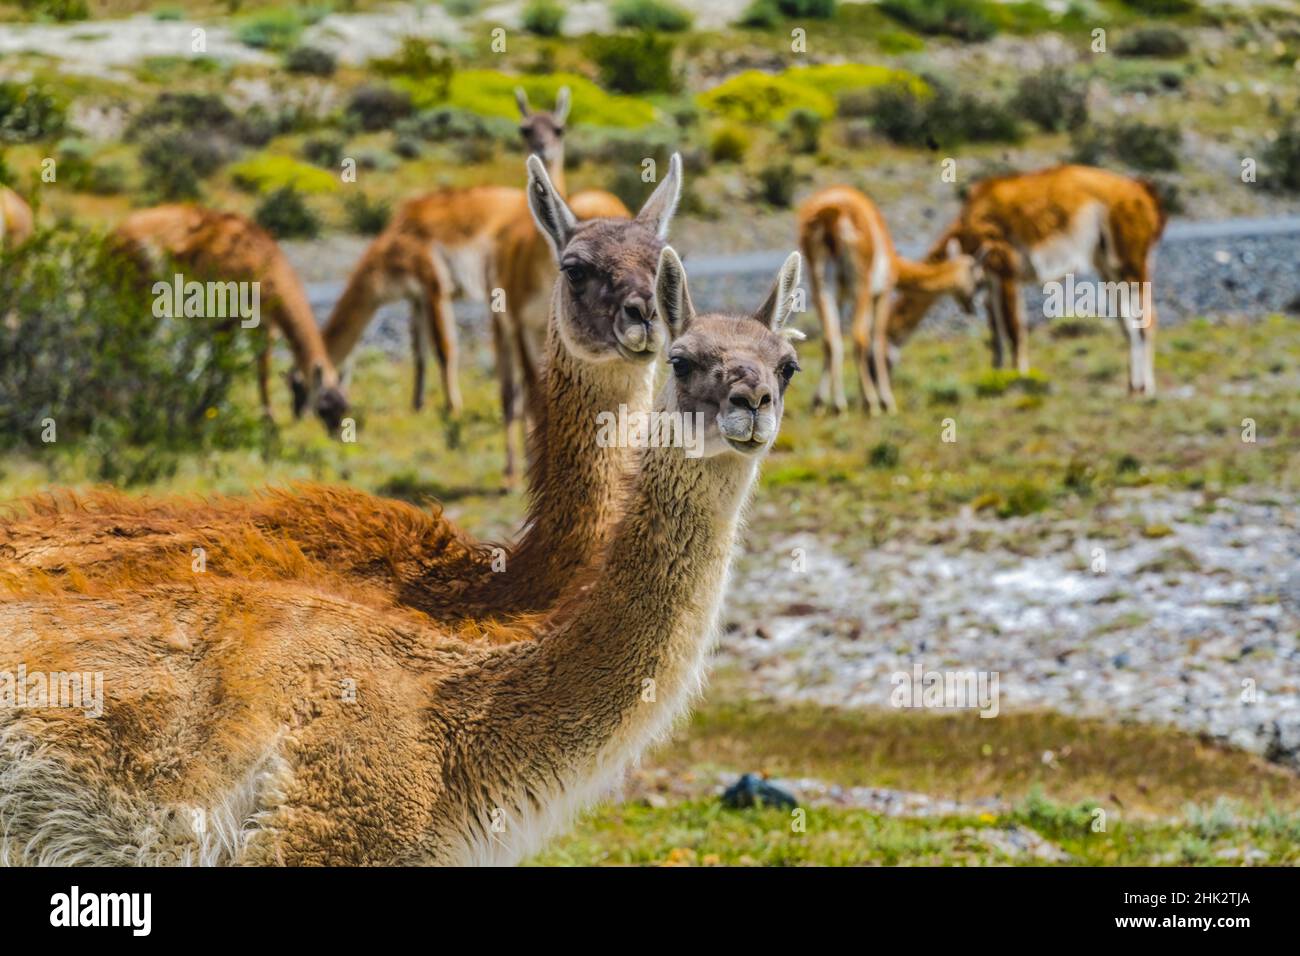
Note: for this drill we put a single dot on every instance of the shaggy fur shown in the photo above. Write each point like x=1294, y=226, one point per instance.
x=226, y=738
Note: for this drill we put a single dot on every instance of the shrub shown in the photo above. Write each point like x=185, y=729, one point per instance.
x=268, y=173
x=28, y=112
x=204, y=113
x=884, y=455
x=641, y=63
x=729, y=144
x=807, y=9
x=658, y=15
x=1052, y=100
x=62, y=11
x=81, y=345
x=323, y=151
x=378, y=107
x=491, y=93
x=78, y=169
x=1145, y=145
x=310, y=61
x=834, y=78
x=961, y=19
x=414, y=61
x=286, y=215
x=1164, y=42
x=1023, y=498
x=759, y=98
x=1282, y=158
x=761, y=14
x=543, y=18
x=173, y=160
x=776, y=184
x=447, y=124
x=366, y=216
x=277, y=28
x=942, y=119
x=803, y=131
x=1162, y=7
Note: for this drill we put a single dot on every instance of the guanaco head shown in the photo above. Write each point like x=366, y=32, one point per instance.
x=960, y=275
x=543, y=132
x=607, y=269
x=323, y=393
x=733, y=370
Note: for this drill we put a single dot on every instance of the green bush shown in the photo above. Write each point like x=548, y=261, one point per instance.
x=884, y=455
x=1159, y=41
x=1162, y=7
x=1052, y=100
x=365, y=216
x=28, y=113
x=173, y=161
x=639, y=63
x=492, y=93
x=78, y=170
x=286, y=215
x=62, y=11
x=803, y=131
x=323, y=151
x=1282, y=158
x=310, y=61
x=277, y=28
x=729, y=144
x=942, y=119
x=807, y=9
x=270, y=172
x=776, y=184
x=414, y=61
x=1145, y=145
x=81, y=345
x=761, y=15
x=543, y=18
x=760, y=98
x=659, y=15
x=378, y=107
x=963, y=20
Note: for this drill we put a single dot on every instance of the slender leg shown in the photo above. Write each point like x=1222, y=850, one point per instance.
x=417, y=352
x=503, y=346
x=879, y=355
x=861, y=331
x=830, y=387
x=264, y=379
x=442, y=330
x=1013, y=310
x=997, y=324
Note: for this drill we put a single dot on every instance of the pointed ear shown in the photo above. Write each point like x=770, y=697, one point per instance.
x=552, y=213
x=672, y=297
x=561, y=112
x=658, y=210
x=780, y=301
x=521, y=98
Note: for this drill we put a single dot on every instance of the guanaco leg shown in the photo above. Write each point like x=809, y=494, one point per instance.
x=878, y=355
x=863, y=315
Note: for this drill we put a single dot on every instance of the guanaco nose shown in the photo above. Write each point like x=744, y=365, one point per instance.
x=750, y=396
x=636, y=335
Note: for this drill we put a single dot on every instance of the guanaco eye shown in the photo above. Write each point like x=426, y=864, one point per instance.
x=575, y=273
x=787, y=371
x=681, y=366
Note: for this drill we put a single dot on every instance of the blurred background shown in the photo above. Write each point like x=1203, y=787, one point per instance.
x=1160, y=697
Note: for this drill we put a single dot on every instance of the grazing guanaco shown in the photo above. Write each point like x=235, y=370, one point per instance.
x=845, y=241
x=235, y=249
x=16, y=221
x=600, y=348
x=436, y=249
x=1042, y=226
x=278, y=724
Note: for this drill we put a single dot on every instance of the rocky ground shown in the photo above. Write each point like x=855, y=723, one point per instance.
x=1194, y=621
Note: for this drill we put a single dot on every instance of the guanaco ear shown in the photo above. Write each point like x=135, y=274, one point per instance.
x=561, y=112
x=672, y=296
x=658, y=210
x=521, y=98
x=775, y=312
x=552, y=213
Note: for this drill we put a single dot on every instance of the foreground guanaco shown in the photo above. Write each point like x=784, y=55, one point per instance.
x=601, y=344
x=277, y=724
x=436, y=249
x=522, y=265
x=1041, y=227
x=16, y=221
x=841, y=233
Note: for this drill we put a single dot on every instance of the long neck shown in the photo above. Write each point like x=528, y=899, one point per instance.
x=351, y=312
x=929, y=277
x=555, y=169
x=297, y=323
x=577, y=483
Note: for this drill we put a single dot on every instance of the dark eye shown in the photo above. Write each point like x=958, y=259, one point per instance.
x=575, y=273
x=787, y=371
x=681, y=366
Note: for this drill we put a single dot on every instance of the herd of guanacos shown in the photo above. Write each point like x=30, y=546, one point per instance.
x=481, y=243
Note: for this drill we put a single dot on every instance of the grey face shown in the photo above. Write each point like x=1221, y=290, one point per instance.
x=607, y=274
x=543, y=136
x=328, y=402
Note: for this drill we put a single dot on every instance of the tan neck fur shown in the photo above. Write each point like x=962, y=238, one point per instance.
x=932, y=277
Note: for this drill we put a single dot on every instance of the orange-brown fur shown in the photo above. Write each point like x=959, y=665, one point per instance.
x=16, y=220
x=1006, y=219
x=842, y=229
